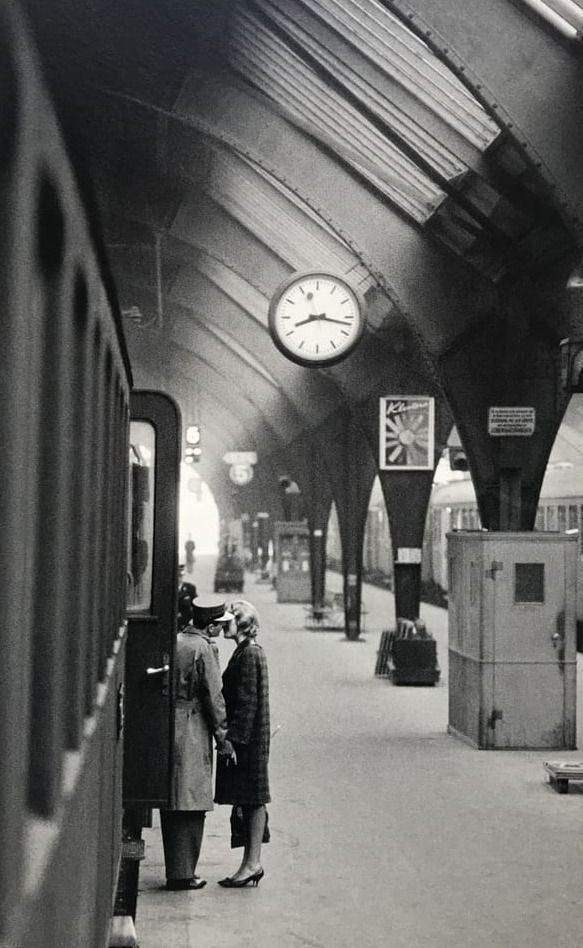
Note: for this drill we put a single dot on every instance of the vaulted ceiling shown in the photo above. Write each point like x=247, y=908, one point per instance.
x=428, y=150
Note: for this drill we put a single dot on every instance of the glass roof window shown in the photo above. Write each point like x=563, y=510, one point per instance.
x=565, y=15
x=397, y=51
x=286, y=79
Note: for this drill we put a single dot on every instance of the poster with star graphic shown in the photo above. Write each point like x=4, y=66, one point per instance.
x=406, y=433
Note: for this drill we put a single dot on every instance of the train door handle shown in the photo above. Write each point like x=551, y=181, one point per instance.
x=556, y=638
x=157, y=671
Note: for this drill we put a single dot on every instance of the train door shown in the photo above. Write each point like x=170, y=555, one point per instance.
x=151, y=607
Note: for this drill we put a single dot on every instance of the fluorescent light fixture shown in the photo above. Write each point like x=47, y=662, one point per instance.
x=565, y=15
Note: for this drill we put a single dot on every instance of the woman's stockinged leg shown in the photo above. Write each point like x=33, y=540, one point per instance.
x=254, y=818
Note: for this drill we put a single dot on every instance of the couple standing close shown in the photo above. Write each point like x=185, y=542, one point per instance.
x=236, y=713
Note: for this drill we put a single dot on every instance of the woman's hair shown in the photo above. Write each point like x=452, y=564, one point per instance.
x=246, y=617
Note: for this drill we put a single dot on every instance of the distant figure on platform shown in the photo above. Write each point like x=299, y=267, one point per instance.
x=200, y=715
x=189, y=548
x=244, y=782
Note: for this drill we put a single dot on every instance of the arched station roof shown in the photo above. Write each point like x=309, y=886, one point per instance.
x=429, y=150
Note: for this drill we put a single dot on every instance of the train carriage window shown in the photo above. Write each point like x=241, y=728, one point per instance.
x=562, y=521
x=141, y=516
x=551, y=518
x=474, y=519
x=540, y=519
x=573, y=520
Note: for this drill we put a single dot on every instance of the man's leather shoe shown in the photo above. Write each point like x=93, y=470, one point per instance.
x=177, y=885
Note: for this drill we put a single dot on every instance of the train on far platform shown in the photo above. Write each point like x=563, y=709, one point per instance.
x=453, y=507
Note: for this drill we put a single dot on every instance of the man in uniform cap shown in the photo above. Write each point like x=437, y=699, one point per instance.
x=200, y=715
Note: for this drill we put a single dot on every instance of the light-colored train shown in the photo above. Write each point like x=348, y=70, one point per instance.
x=453, y=507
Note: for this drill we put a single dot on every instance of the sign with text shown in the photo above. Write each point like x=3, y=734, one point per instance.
x=240, y=457
x=406, y=433
x=511, y=421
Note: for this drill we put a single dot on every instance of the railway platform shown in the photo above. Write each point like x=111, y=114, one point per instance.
x=385, y=830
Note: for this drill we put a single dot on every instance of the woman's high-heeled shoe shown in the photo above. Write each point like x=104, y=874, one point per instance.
x=230, y=883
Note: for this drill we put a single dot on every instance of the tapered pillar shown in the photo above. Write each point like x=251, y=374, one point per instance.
x=407, y=496
x=320, y=502
x=351, y=471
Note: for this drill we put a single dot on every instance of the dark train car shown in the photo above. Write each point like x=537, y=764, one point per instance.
x=229, y=574
x=64, y=383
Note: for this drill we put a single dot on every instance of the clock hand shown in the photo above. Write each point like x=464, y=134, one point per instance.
x=328, y=319
x=310, y=319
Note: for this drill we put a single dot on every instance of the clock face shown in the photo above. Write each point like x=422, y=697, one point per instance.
x=316, y=319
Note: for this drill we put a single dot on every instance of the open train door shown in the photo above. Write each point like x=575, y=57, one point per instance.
x=155, y=434
x=152, y=578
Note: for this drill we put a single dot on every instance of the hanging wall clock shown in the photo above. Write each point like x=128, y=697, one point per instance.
x=316, y=319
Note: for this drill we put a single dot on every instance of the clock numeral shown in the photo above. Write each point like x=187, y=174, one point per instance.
x=332, y=344
x=317, y=349
x=317, y=284
x=344, y=333
x=290, y=333
x=287, y=299
x=342, y=302
x=301, y=289
x=301, y=343
x=333, y=290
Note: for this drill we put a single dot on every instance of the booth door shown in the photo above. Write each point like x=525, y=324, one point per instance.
x=152, y=575
x=533, y=638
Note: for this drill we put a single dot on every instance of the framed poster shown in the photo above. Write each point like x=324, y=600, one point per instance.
x=406, y=433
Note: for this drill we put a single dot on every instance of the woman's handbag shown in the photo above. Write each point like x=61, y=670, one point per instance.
x=238, y=829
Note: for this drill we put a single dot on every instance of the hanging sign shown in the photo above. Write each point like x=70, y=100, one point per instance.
x=406, y=433
x=517, y=421
x=241, y=474
x=240, y=457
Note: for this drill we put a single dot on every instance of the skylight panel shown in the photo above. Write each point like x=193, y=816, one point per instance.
x=286, y=79
x=398, y=52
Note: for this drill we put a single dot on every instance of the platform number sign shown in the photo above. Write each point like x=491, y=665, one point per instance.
x=407, y=440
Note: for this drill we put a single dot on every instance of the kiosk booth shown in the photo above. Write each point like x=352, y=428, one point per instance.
x=512, y=655
x=292, y=557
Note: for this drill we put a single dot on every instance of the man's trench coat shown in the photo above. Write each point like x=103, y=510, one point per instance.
x=200, y=715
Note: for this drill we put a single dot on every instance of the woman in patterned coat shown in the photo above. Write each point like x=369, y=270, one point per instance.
x=244, y=783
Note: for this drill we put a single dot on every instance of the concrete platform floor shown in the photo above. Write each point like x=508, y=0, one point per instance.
x=385, y=829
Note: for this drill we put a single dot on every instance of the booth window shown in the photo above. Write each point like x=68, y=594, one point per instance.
x=529, y=582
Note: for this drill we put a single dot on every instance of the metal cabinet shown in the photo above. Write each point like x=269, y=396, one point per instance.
x=292, y=554
x=512, y=655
